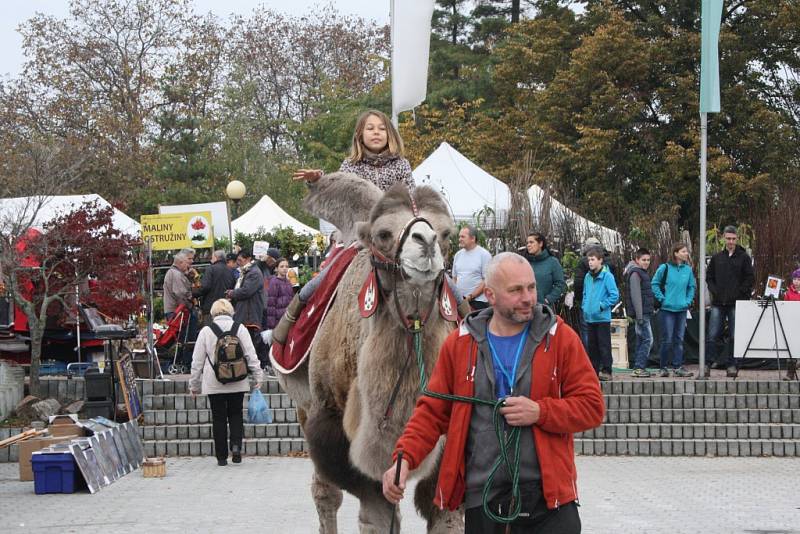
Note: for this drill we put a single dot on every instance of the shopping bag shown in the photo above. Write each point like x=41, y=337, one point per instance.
x=258, y=409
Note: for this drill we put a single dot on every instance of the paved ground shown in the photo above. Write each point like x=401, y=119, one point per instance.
x=620, y=495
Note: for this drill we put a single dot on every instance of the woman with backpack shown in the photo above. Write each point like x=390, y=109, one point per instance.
x=673, y=288
x=225, y=367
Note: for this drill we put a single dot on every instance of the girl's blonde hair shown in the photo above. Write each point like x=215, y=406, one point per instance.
x=357, y=149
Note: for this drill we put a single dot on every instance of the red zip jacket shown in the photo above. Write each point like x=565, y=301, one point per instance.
x=791, y=294
x=562, y=382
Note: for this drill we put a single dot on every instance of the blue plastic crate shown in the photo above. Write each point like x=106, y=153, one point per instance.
x=55, y=473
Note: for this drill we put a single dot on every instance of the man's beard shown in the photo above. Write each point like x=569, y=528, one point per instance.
x=512, y=315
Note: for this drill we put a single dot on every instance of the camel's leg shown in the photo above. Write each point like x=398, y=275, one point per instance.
x=330, y=450
x=375, y=513
x=327, y=499
x=439, y=521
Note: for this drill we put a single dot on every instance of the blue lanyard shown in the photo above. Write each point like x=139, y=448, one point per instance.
x=496, y=359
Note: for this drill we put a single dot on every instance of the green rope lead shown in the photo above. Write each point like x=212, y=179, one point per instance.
x=505, y=439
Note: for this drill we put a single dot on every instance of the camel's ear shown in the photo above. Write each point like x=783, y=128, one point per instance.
x=363, y=229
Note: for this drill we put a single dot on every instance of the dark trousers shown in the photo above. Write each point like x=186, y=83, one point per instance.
x=564, y=520
x=600, y=346
x=226, y=409
x=716, y=323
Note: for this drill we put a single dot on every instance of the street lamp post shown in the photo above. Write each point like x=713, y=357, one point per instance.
x=235, y=191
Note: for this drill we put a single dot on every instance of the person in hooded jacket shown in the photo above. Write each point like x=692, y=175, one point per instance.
x=581, y=269
x=549, y=274
x=674, y=287
x=640, y=306
x=600, y=293
x=729, y=278
x=519, y=351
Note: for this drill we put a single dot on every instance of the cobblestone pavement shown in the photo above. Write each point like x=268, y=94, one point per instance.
x=619, y=495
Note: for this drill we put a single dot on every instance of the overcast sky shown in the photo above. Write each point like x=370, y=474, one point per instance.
x=14, y=12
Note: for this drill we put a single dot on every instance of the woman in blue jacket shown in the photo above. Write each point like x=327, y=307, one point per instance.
x=673, y=288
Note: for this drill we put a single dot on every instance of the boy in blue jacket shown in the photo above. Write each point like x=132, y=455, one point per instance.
x=600, y=293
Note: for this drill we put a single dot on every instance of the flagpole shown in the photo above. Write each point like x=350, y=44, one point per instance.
x=391, y=58
x=702, y=244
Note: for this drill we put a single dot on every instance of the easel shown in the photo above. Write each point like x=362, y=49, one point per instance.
x=791, y=365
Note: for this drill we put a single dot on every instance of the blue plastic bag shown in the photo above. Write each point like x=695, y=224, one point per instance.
x=258, y=409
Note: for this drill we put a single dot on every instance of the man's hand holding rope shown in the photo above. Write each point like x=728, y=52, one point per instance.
x=520, y=411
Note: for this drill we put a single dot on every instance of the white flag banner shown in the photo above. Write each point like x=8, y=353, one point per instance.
x=411, y=39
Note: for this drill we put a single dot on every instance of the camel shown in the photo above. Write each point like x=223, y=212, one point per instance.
x=343, y=389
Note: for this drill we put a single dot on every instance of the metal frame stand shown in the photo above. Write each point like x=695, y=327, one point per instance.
x=791, y=366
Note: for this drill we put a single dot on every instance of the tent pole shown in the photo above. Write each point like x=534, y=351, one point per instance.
x=702, y=245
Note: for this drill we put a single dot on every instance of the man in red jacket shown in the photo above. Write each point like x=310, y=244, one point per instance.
x=521, y=352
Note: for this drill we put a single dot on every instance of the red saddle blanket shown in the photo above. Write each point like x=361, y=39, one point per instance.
x=286, y=358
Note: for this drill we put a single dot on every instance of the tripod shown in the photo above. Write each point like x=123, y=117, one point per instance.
x=791, y=364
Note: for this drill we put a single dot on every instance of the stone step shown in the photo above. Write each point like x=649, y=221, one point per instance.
x=703, y=415
x=171, y=387
x=710, y=431
x=191, y=417
x=205, y=447
x=183, y=401
x=203, y=431
x=728, y=386
x=687, y=447
x=703, y=400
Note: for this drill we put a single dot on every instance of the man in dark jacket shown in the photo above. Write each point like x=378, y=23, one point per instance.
x=248, y=295
x=729, y=278
x=580, y=275
x=640, y=305
x=217, y=279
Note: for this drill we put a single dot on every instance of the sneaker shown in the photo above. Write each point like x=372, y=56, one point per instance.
x=605, y=376
x=641, y=373
x=236, y=455
x=682, y=372
x=732, y=372
x=664, y=372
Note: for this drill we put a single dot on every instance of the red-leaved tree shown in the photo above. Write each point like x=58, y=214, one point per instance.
x=47, y=266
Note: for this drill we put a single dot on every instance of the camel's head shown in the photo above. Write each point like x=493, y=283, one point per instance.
x=418, y=246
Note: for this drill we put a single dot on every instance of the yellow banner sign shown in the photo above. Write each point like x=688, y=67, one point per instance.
x=178, y=230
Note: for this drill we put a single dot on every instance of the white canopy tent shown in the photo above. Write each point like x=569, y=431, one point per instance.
x=265, y=216
x=470, y=190
x=611, y=239
x=54, y=206
x=467, y=188
x=219, y=214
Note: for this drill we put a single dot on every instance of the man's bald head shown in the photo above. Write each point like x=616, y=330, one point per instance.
x=511, y=288
x=496, y=269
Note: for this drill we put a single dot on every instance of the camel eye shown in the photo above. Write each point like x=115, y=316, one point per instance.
x=446, y=234
x=384, y=235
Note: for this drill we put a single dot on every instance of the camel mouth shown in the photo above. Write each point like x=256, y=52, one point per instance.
x=423, y=268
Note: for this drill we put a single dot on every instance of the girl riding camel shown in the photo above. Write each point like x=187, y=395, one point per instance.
x=376, y=155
